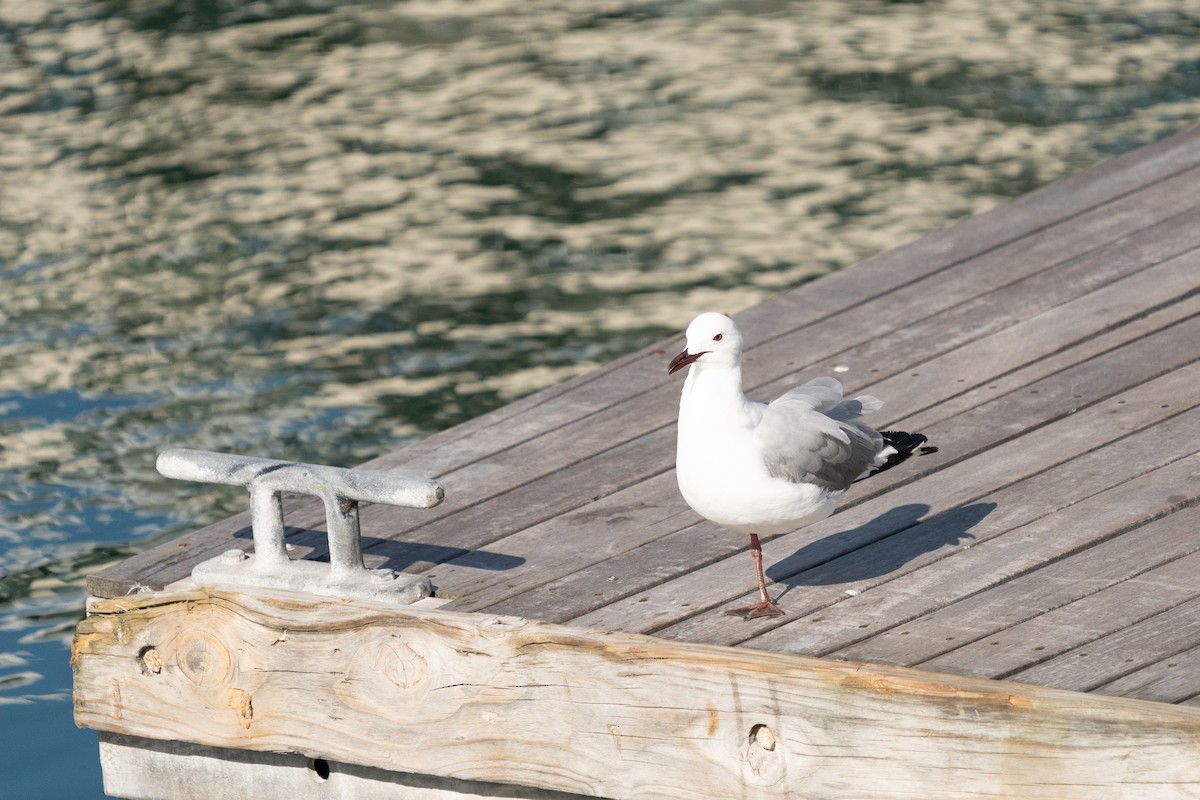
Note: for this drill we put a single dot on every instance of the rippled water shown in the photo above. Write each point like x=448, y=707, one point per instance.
x=317, y=231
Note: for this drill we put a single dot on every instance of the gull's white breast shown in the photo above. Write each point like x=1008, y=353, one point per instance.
x=722, y=474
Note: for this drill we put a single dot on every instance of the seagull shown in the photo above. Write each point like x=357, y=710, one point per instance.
x=762, y=468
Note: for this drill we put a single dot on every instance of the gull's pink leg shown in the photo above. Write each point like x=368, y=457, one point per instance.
x=763, y=608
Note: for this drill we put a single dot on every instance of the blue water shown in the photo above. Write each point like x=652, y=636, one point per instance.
x=320, y=231
x=47, y=756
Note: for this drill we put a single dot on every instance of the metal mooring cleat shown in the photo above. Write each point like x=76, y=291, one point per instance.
x=340, y=490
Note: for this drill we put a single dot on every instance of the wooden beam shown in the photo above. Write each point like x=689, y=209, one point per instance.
x=506, y=700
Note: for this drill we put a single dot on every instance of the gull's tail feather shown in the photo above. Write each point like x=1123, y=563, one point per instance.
x=897, y=447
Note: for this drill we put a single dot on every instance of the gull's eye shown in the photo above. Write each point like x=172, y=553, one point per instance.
x=718, y=337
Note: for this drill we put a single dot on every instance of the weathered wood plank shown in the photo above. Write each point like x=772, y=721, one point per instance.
x=615, y=715
x=1077, y=624
x=1166, y=634
x=1065, y=358
x=979, y=617
x=1171, y=680
x=614, y=524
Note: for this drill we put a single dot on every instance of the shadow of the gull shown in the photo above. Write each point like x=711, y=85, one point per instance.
x=879, y=547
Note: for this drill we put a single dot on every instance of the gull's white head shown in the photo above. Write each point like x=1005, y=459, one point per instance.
x=712, y=339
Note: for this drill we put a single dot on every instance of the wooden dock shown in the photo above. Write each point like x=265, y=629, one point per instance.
x=1050, y=348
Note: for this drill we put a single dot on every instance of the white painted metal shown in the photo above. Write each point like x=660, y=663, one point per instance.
x=340, y=490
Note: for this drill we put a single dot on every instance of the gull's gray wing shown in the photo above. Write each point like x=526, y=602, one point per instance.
x=812, y=435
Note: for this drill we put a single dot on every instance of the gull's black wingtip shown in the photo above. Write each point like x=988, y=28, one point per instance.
x=902, y=445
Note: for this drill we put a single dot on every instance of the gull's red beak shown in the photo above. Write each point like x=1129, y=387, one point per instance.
x=682, y=360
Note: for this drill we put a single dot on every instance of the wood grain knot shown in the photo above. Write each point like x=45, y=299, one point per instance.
x=762, y=737
x=760, y=753
x=774, y=755
x=402, y=665
x=149, y=660
x=203, y=659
